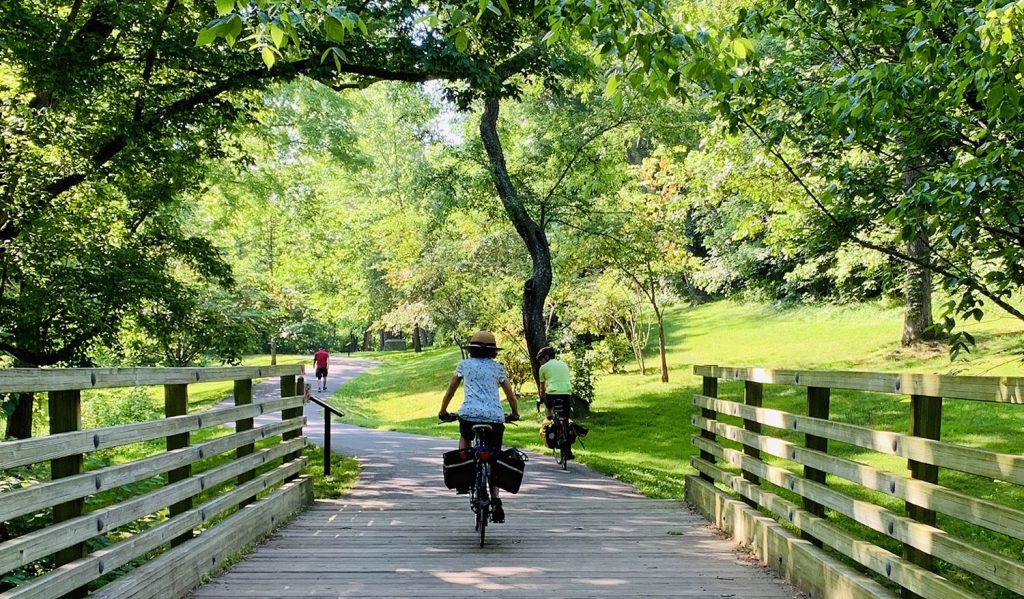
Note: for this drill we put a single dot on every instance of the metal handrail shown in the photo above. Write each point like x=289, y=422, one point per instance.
x=328, y=410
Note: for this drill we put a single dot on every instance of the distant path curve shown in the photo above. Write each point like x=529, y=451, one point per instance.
x=400, y=533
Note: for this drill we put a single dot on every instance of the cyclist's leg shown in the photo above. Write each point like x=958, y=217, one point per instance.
x=494, y=440
x=465, y=434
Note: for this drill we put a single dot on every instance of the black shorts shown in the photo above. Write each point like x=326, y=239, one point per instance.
x=493, y=438
x=559, y=404
x=321, y=373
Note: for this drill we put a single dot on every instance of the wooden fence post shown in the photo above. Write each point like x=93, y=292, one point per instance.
x=176, y=404
x=243, y=396
x=753, y=395
x=289, y=388
x=818, y=406
x=710, y=389
x=65, y=411
x=925, y=421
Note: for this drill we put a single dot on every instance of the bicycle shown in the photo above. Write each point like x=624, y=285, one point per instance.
x=480, y=491
x=564, y=437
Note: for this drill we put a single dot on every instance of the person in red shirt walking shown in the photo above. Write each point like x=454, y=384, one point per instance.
x=320, y=359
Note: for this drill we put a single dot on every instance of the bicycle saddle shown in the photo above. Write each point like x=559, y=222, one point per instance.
x=482, y=427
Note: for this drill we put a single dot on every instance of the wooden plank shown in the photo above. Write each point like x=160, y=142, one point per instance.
x=36, y=497
x=979, y=388
x=29, y=547
x=65, y=415
x=1000, y=466
x=877, y=559
x=24, y=380
x=180, y=570
x=981, y=512
x=752, y=396
x=108, y=559
x=39, y=449
x=925, y=421
x=798, y=561
x=986, y=564
x=289, y=387
x=818, y=400
x=710, y=389
x=176, y=404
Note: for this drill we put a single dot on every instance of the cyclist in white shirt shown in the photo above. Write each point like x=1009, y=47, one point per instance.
x=482, y=376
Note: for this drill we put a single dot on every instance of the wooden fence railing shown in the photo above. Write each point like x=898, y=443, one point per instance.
x=773, y=461
x=233, y=486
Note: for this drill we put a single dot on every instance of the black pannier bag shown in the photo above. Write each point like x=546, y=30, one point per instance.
x=509, y=466
x=458, y=468
x=551, y=436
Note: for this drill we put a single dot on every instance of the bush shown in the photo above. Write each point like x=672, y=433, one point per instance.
x=583, y=380
x=517, y=368
x=610, y=353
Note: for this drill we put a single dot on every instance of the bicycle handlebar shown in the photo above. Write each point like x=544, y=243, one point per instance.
x=453, y=417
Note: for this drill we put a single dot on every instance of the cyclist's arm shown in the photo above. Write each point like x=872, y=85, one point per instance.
x=510, y=395
x=453, y=386
x=543, y=392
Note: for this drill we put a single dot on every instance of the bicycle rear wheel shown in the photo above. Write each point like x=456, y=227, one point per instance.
x=483, y=506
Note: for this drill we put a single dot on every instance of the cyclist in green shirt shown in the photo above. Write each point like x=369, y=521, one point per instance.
x=555, y=382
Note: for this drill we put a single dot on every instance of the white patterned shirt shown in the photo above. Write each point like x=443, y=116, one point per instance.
x=481, y=378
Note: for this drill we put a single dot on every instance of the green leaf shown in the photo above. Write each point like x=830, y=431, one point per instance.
x=461, y=41
x=269, y=58
x=611, y=86
x=277, y=35
x=362, y=25
x=206, y=36
x=334, y=29
x=225, y=6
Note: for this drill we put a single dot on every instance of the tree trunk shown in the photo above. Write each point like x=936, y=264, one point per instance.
x=536, y=288
x=417, y=342
x=19, y=423
x=661, y=341
x=917, y=322
x=273, y=350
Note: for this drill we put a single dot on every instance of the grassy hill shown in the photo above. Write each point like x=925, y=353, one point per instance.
x=640, y=427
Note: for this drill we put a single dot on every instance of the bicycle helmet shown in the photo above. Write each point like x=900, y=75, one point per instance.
x=546, y=352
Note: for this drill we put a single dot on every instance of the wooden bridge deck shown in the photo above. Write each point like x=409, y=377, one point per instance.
x=400, y=533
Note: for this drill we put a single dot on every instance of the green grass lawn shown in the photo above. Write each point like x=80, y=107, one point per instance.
x=640, y=427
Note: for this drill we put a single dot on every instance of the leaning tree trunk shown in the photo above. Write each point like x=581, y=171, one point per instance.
x=661, y=341
x=536, y=288
x=918, y=325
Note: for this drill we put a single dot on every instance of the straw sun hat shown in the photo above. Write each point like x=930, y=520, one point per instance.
x=483, y=339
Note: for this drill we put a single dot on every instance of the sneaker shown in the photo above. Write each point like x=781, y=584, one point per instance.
x=497, y=512
x=572, y=456
x=462, y=491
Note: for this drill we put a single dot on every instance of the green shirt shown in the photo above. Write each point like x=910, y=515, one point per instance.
x=555, y=375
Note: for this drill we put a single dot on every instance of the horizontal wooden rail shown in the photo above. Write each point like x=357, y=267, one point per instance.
x=972, y=460
x=982, y=562
x=27, y=380
x=970, y=530
x=247, y=491
x=38, y=449
x=91, y=567
x=875, y=558
x=978, y=388
x=989, y=514
x=36, y=545
x=40, y=496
